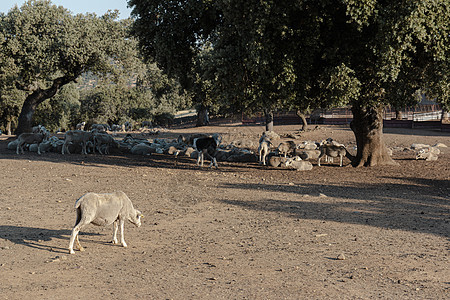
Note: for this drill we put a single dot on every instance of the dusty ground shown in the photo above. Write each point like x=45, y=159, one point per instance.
x=240, y=232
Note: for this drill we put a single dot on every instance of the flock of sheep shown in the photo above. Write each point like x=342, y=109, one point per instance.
x=116, y=208
x=286, y=154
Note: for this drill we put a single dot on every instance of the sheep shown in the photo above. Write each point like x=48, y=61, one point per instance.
x=298, y=164
x=147, y=124
x=207, y=146
x=128, y=126
x=38, y=129
x=263, y=149
x=76, y=137
x=307, y=145
x=31, y=138
x=309, y=154
x=286, y=148
x=332, y=151
x=100, y=127
x=117, y=128
x=103, y=210
x=103, y=139
x=428, y=154
x=142, y=149
x=80, y=126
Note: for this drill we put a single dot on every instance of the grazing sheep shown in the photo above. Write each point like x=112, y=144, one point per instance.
x=332, y=151
x=31, y=138
x=263, y=149
x=207, y=147
x=286, y=148
x=103, y=210
x=103, y=140
x=76, y=137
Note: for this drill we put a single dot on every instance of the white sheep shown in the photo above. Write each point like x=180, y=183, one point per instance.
x=31, y=138
x=103, y=210
x=298, y=164
x=80, y=126
x=286, y=148
x=428, y=154
x=76, y=137
x=263, y=149
x=102, y=139
x=332, y=151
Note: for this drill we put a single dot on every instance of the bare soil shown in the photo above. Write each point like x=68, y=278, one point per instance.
x=243, y=231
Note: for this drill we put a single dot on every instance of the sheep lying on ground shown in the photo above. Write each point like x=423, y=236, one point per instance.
x=298, y=164
x=76, y=137
x=102, y=210
x=428, y=154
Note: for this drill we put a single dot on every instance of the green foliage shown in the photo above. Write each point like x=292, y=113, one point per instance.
x=265, y=54
x=61, y=112
x=43, y=47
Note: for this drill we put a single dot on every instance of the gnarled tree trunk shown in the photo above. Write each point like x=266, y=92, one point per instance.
x=25, y=121
x=398, y=114
x=269, y=119
x=302, y=116
x=202, y=116
x=367, y=125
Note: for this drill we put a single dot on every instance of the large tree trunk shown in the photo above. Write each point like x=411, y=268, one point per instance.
x=8, y=127
x=398, y=114
x=302, y=116
x=444, y=116
x=25, y=121
x=202, y=116
x=367, y=125
x=269, y=119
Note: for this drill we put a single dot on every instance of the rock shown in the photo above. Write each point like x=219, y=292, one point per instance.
x=341, y=257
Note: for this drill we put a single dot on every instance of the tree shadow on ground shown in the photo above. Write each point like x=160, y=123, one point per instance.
x=36, y=237
x=422, y=206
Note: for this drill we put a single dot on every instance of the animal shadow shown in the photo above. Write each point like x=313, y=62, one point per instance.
x=36, y=237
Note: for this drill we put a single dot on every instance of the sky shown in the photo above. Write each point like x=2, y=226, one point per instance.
x=100, y=7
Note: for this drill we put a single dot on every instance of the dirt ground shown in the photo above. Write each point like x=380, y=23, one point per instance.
x=243, y=231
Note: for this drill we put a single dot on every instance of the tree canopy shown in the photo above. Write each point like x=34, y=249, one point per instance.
x=44, y=47
x=268, y=54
